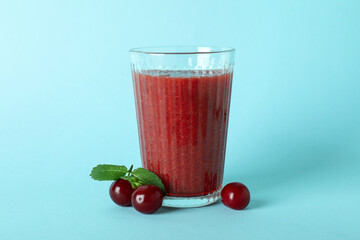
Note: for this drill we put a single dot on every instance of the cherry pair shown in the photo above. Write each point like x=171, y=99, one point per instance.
x=145, y=198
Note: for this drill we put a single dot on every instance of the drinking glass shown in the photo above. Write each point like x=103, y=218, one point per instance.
x=182, y=97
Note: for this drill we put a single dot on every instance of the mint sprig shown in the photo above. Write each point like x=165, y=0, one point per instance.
x=107, y=172
x=137, y=177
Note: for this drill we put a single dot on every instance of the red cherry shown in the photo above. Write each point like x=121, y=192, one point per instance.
x=120, y=192
x=235, y=195
x=147, y=198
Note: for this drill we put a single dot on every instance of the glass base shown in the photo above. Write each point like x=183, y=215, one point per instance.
x=188, y=202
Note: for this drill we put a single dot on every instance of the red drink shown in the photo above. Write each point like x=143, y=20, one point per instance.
x=182, y=122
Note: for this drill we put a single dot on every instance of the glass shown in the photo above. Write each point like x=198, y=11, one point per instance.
x=182, y=97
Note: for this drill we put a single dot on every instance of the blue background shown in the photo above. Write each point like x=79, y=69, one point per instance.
x=66, y=105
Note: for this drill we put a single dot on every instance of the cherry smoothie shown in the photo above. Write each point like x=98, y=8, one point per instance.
x=182, y=122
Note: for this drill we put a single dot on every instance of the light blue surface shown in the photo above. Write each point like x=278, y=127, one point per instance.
x=66, y=104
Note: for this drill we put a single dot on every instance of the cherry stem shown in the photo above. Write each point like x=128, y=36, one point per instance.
x=130, y=170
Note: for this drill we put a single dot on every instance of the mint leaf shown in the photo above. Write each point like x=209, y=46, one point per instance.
x=129, y=178
x=134, y=181
x=107, y=172
x=148, y=177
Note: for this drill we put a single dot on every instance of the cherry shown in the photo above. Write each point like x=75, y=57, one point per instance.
x=147, y=198
x=235, y=195
x=120, y=192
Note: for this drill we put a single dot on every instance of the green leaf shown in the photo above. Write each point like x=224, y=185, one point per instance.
x=148, y=177
x=107, y=172
x=136, y=184
x=134, y=181
x=129, y=178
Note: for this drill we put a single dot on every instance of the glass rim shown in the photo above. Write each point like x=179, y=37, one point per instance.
x=181, y=50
